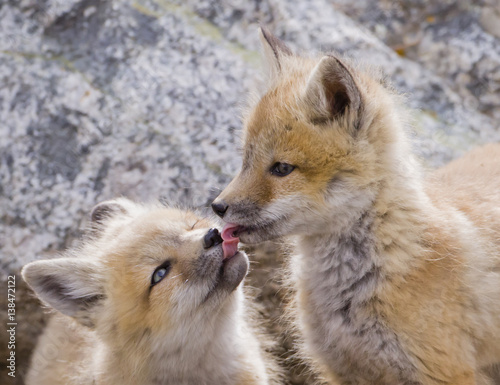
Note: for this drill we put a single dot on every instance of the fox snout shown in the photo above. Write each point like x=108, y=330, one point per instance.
x=243, y=212
x=207, y=264
x=212, y=238
x=220, y=207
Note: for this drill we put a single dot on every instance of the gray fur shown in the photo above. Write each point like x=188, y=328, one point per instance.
x=340, y=275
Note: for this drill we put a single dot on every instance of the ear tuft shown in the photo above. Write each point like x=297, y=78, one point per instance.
x=105, y=210
x=274, y=49
x=331, y=91
x=278, y=47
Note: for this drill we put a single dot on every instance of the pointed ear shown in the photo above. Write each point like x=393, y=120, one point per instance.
x=108, y=209
x=331, y=92
x=72, y=286
x=274, y=49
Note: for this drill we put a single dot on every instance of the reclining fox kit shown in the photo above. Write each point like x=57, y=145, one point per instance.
x=153, y=297
x=397, y=275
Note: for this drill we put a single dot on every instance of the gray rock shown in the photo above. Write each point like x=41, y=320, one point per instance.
x=143, y=99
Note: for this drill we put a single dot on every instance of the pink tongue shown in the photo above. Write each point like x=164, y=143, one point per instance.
x=230, y=244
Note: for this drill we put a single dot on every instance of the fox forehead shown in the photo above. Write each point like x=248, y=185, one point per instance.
x=277, y=131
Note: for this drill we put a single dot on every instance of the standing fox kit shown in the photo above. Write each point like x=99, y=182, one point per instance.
x=397, y=276
x=157, y=299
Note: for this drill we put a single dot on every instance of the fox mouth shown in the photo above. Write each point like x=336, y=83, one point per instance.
x=232, y=231
x=230, y=242
x=223, y=265
x=249, y=234
x=232, y=269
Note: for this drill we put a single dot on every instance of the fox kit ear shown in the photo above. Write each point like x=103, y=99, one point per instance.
x=108, y=209
x=69, y=285
x=274, y=49
x=331, y=91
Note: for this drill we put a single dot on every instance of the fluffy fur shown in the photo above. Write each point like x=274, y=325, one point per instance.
x=397, y=275
x=191, y=328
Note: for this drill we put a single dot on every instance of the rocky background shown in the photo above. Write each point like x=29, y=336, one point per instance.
x=143, y=99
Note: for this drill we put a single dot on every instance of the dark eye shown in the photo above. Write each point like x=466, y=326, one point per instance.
x=281, y=169
x=160, y=273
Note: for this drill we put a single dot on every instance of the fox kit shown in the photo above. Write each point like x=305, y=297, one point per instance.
x=397, y=276
x=157, y=299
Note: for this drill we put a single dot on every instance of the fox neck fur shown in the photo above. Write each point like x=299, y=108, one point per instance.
x=210, y=349
x=342, y=272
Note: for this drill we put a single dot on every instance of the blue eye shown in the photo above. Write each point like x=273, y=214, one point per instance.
x=160, y=273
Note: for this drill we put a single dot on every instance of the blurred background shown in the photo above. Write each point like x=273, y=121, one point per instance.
x=143, y=99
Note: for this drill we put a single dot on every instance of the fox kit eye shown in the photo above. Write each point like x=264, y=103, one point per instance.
x=160, y=273
x=281, y=169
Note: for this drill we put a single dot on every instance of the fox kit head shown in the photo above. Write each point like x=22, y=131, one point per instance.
x=147, y=271
x=316, y=143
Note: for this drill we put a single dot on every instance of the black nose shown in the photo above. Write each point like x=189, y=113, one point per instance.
x=212, y=238
x=220, y=208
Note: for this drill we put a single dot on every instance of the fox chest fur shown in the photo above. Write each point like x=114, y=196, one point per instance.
x=337, y=277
